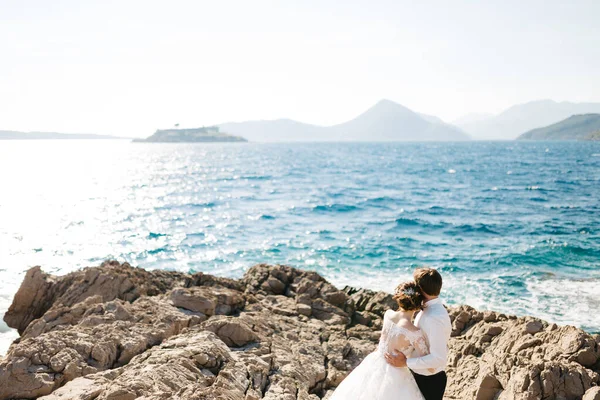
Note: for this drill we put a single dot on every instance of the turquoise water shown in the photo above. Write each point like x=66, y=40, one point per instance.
x=512, y=226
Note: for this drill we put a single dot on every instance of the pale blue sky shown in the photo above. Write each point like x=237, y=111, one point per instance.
x=129, y=67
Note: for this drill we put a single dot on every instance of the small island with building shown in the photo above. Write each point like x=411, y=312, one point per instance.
x=208, y=134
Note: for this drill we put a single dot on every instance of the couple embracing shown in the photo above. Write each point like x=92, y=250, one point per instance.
x=411, y=357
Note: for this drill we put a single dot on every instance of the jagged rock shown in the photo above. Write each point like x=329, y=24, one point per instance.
x=93, y=337
x=208, y=300
x=487, y=387
x=117, y=332
x=112, y=280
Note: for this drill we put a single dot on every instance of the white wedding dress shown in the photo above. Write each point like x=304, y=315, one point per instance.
x=374, y=378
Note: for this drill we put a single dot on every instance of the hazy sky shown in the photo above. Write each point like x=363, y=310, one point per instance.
x=129, y=67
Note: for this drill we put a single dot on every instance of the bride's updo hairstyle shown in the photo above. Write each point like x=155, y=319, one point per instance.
x=408, y=296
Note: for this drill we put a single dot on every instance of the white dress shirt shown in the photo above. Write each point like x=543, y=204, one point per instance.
x=435, y=324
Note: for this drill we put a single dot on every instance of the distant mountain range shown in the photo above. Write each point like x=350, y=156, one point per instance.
x=576, y=127
x=14, y=135
x=521, y=118
x=386, y=121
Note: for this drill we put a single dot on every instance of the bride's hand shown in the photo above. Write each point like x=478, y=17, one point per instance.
x=397, y=359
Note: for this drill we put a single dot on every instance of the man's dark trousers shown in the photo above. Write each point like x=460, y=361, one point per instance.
x=432, y=386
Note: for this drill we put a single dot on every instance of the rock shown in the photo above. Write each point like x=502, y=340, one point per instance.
x=80, y=389
x=208, y=300
x=363, y=318
x=233, y=332
x=31, y=299
x=488, y=387
x=373, y=302
x=92, y=341
x=39, y=291
x=533, y=327
x=304, y=309
x=117, y=332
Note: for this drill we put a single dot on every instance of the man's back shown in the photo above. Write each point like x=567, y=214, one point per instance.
x=435, y=323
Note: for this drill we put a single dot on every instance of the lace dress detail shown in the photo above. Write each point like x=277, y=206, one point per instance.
x=374, y=378
x=410, y=341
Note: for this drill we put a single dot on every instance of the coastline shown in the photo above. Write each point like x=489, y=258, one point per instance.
x=116, y=331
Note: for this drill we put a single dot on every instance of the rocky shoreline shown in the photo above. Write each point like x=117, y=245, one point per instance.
x=122, y=333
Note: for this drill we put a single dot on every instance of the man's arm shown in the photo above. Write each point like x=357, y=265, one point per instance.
x=438, y=335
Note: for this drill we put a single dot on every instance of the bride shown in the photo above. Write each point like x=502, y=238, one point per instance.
x=374, y=378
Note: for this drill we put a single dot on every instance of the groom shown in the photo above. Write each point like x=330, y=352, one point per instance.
x=434, y=322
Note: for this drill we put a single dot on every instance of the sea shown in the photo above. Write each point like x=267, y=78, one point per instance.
x=512, y=226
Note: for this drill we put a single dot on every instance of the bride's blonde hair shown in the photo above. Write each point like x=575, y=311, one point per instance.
x=408, y=296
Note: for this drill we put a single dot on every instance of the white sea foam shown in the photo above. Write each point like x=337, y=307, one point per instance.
x=7, y=335
x=561, y=301
x=566, y=302
x=6, y=338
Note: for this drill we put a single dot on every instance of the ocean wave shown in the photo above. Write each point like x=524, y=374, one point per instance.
x=207, y=204
x=156, y=235
x=557, y=293
x=550, y=254
x=158, y=250
x=256, y=177
x=565, y=182
x=472, y=228
x=539, y=189
x=409, y=222
x=170, y=207
x=379, y=202
x=195, y=234
x=337, y=208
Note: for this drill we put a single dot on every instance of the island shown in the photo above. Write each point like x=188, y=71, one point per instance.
x=576, y=127
x=208, y=134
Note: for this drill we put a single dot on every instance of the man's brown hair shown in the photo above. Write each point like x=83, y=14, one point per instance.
x=428, y=280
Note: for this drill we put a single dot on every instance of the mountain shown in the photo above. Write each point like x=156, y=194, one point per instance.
x=386, y=121
x=279, y=130
x=208, y=134
x=576, y=127
x=14, y=135
x=431, y=118
x=524, y=117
